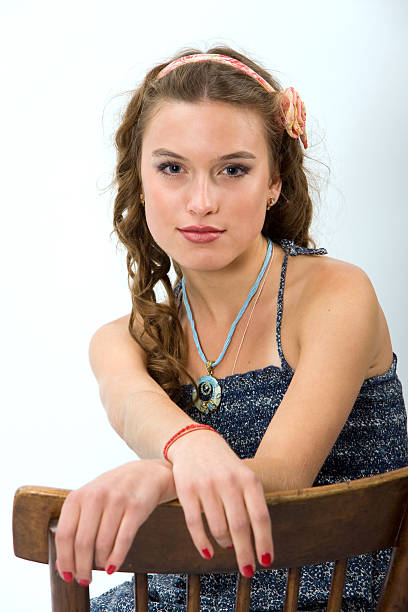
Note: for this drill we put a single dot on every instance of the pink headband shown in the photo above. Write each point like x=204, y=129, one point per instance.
x=294, y=110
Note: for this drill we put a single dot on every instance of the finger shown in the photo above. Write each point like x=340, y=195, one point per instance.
x=260, y=521
x=214, y=511
x=131, y=520
x=65, y=538
x=240, y=530
x=107, y=533
x=192, y=514
x=84, y=546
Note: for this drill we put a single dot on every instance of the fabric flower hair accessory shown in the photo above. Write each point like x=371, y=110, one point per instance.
x=294, y=112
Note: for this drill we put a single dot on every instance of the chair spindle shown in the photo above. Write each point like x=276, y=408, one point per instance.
x=337, y=586
x=193, y=593
x=394, y=594
x=141, y=593
x=243, y=593
x=292, y=589
x=65, y=596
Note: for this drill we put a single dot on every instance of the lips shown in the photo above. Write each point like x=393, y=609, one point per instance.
x=201, y=229
x=201, y=234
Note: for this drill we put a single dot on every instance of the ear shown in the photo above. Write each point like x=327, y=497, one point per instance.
x=275, y=187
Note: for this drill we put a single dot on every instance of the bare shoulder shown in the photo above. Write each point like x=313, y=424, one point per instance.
x=344, y=293
x=318, y=281
x=110, y=333
x=111, y=345
x=121, y=325
x=327, y=275
x=122, y=322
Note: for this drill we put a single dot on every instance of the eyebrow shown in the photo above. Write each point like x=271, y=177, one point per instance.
x=241, y=154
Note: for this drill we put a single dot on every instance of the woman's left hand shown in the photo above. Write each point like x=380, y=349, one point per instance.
x=100, y=520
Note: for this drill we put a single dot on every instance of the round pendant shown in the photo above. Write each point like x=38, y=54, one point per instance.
x=209, y=394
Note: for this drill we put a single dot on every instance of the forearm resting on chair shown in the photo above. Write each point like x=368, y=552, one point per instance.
x=144, y=415
x=271, y=477
x=147, y=420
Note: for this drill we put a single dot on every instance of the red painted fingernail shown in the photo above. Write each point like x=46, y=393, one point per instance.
x=206, y=553
x=111, y=569
x=67, y=576
x=266, y=559
x=230, y=547
x=84, y=583
x=248, y=571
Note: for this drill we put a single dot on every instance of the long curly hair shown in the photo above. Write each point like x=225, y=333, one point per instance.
x=162, y=336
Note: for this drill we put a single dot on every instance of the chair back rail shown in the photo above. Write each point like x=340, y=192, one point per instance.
x=350, y=518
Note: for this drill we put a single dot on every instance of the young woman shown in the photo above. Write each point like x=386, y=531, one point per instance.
x=269, y=365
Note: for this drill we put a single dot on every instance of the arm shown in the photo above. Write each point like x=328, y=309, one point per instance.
x=340, y=320
x=338, y=327
x=140, y=411
x=339, y=336
x=137, y=407
x=205, y=475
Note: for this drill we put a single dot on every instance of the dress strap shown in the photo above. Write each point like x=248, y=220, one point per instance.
x=178, y=295
x=293, y=249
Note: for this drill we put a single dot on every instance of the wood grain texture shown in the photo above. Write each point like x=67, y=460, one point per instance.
x=34, y=507
x=351, y=518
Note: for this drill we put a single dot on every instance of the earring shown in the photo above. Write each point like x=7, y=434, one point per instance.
x=271, y=202
x=142, y=200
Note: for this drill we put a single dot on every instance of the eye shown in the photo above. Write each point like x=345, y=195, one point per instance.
x=173, y=166
x=161, y=168
x=244, y=170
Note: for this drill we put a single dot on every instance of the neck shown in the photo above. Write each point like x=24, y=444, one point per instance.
x=216, y=297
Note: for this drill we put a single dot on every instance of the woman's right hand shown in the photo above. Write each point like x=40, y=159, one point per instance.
x=210, y=477
x=100, y=520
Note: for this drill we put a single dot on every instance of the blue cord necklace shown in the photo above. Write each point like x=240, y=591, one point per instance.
x=209, y=390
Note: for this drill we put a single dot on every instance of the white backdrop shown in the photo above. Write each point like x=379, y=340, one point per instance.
x=64, y=64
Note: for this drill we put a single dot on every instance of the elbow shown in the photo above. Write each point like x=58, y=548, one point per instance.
x=300, y=478
x=115, y=415
x=291, y=481
x=277, y=475
x=115, y=421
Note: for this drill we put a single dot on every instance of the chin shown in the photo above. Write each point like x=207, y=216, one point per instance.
x=204, y=261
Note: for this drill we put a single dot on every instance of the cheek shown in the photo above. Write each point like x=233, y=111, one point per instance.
x=153, y=217
x=160, y=223
x=251, y=218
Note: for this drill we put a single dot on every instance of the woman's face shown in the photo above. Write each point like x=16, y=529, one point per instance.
x=206, y=164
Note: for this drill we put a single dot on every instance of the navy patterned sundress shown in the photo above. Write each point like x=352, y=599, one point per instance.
x=373, y=440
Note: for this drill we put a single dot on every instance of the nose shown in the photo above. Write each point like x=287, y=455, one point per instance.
x=202, y=200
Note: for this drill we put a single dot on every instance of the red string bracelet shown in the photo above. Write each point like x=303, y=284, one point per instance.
x=183, y=432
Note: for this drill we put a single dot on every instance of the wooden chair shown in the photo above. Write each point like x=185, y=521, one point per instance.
x=350, y=519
